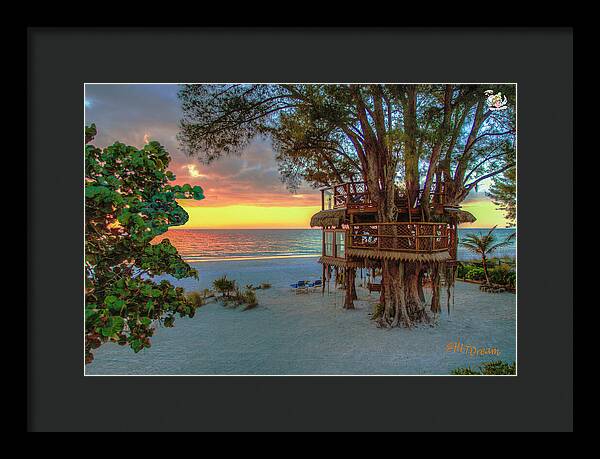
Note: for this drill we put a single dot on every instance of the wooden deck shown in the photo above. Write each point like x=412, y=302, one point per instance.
x=402, y=241
x=352, y=196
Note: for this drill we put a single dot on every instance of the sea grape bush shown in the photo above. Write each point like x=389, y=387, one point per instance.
x=128, y=202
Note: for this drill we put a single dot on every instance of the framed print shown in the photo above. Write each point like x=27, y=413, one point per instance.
x=278, y=237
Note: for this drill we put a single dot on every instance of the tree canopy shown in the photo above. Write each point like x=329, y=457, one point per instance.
x=128, y=202
x=504, y=194
x=323, y=134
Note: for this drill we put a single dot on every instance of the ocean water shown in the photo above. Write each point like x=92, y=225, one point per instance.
x=199, y=245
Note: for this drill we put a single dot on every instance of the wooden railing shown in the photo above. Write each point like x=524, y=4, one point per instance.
x=402, y=237
x=354, y=195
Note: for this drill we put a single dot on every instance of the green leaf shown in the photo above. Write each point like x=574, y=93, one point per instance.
x=115, y=325
x=136, y=345
x=109, y=300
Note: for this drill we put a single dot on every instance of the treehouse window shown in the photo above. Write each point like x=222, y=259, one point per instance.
x=328, y=244
x=340, y=242
x=327, y=200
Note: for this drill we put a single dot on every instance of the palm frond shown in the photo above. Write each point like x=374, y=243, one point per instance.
x=499, y=245
x=471, y=247
x=491, y=231
x=472, y=239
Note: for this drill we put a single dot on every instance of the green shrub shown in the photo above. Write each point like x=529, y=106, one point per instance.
x=497, y=367
x=224, y=286
x=502, y=275
x=475, y=273
x=511, y=279
x=249, y=298
x=470, y=272
x=233, y=296
x=377, y=311
x=464, y=371
x=196, y=299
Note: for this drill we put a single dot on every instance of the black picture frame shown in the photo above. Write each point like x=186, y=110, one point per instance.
x=61, y=60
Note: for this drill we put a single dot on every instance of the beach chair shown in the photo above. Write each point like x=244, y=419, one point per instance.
x=300, y=287
x=316, y=285
x=373, y=287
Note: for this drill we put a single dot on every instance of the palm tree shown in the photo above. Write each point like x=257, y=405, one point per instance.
x=484, y=245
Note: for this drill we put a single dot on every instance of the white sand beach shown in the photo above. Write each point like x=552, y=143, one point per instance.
x=310, y=334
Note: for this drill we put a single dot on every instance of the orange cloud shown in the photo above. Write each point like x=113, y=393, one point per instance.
x=193, y=170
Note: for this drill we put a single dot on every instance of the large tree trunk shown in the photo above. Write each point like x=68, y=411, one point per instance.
x=435, y=289
x=400, y=291
x=403, y=305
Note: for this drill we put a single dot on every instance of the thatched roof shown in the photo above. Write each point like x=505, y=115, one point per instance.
x=397, y=255
x=455, y=215
x=462, y=216
x=340, y=262
x=333, y=217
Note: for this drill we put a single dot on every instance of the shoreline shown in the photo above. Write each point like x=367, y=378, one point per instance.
x=242, y=258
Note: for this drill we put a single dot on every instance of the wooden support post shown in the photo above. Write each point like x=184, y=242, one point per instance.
x=334, y=244
x=417, y=237
x=347, y=188
x=349, y=275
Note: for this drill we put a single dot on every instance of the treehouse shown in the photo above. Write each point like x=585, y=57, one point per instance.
x=354, y=238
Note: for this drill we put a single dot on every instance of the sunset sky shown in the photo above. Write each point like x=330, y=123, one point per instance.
x=241, y=192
